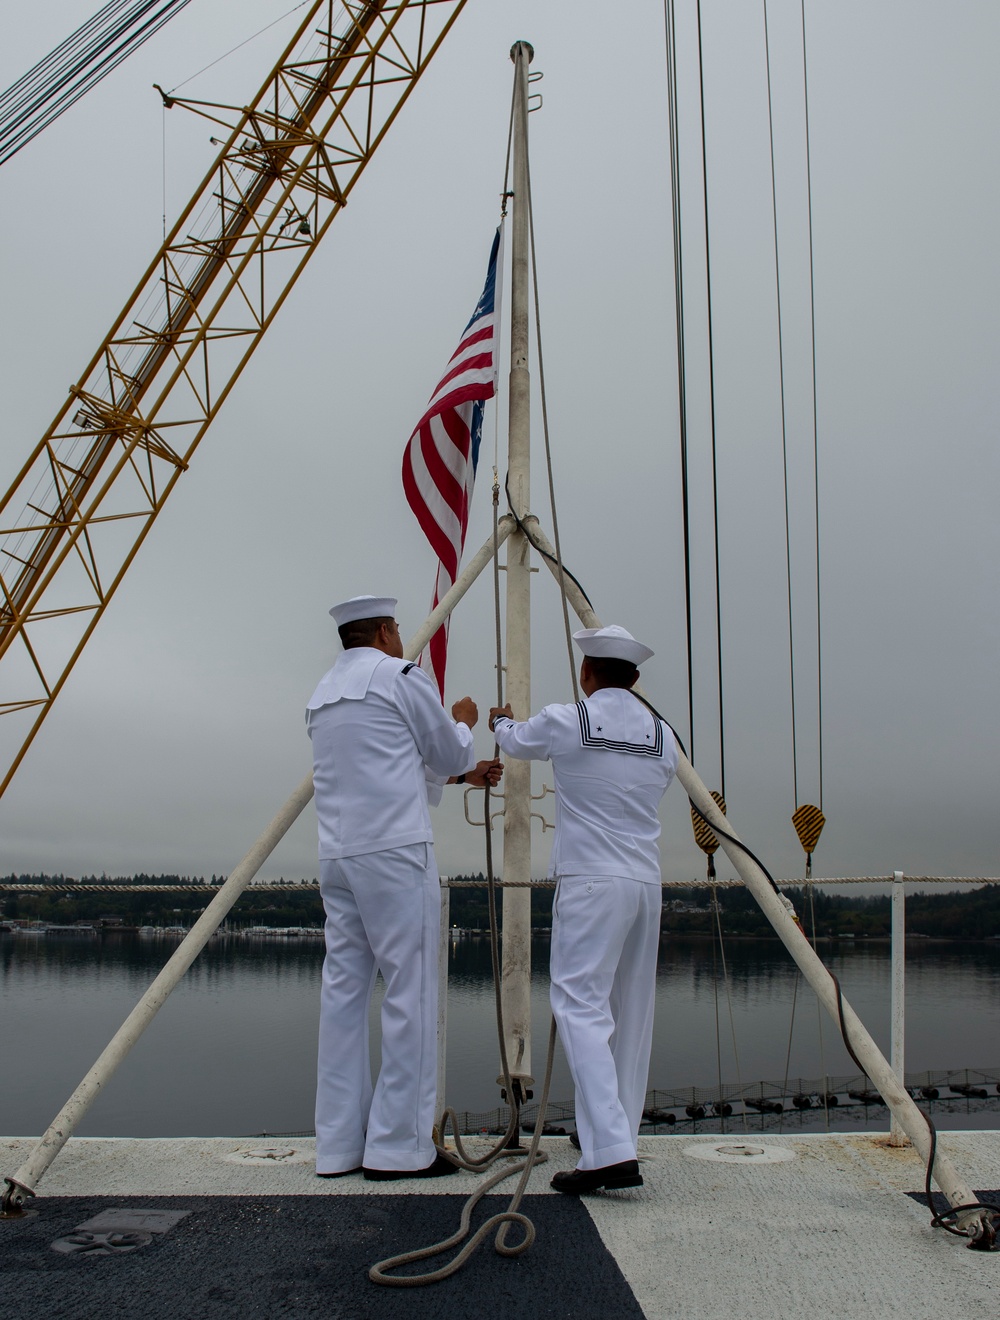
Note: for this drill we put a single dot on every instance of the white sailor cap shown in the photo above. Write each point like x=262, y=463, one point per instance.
x=611, y=643
x=364, y=607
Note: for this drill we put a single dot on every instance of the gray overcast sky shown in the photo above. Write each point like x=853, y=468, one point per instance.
x=180, y=731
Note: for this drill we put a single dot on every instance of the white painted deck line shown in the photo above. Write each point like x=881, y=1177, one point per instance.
x=829, y=1233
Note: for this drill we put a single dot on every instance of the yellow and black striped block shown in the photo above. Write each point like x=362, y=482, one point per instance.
x=703, y=835
x=808, y=822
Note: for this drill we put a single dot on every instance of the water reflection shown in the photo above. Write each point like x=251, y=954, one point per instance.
x=233, y=1050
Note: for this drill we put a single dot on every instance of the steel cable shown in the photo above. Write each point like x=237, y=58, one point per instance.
x=784, y=429
x=711, y=403
x=548, y=447
x=69, y=71
x=678, y=254
x=815, y=418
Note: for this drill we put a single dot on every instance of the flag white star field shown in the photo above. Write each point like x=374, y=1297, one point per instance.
x=439, y=463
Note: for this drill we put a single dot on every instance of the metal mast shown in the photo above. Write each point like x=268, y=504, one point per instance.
x=516, y=966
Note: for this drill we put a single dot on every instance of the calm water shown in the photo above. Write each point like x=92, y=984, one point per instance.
x=233, y=1050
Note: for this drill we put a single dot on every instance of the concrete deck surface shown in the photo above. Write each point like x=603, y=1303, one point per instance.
x=818, y=1225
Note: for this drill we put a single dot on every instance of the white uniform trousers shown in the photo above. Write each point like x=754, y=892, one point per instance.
x=605, y=936
x=382, y=915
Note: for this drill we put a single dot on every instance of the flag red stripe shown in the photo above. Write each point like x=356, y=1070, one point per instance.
x=477, y=337
x=459, y=434
x=449, y=488
x=479, y=362
x=440, y=543
x=473, y=392
x=438, y=462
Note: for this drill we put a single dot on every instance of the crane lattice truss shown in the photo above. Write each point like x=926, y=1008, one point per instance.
x=81, y=506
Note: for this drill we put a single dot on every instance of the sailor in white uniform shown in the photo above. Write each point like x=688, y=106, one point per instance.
x=613, y=760
x=383, y=747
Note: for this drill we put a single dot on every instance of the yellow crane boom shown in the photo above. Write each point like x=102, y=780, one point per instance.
x=81, y=506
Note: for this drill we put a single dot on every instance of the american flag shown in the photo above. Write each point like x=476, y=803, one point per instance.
x=439, y=463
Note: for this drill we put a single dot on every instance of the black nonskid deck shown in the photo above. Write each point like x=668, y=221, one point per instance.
x=305, y=1256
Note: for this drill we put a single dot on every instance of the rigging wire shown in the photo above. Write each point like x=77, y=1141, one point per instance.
x=76, y=65
x=557, y=559
x=673, y=122
x=522, y=526
x=729, y=999
x=238, y=46
x=939, y=1219
x=794, y=698
x=548, y=447
x=812, y=332
x=505, y=196
x=711, y=401
x=20, y=92
x=784, y=429
x=819, y=1019
x=791, y=1033
x=163, y=150
x=715, y=995
x=670, y=33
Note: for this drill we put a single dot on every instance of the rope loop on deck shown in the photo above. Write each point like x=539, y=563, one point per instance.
x=380, y=1272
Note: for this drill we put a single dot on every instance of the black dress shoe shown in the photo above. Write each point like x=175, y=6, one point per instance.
x=611, y=1177
x=341, y=1173
x=574, y=1140
x=441, y=1168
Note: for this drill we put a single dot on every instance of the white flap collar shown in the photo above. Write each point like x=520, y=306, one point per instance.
x=349, y=679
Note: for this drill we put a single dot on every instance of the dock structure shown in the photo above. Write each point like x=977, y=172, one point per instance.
x=776, y=1226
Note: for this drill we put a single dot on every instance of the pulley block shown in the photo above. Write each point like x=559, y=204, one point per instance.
x=704, y=836
x=808, y=821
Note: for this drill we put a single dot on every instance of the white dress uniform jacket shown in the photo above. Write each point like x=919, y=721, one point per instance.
x=613, y=761
x=382, y=743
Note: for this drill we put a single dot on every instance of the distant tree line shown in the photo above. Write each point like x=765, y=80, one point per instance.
x=687, y=910
x=253, y=907
x=955, y=914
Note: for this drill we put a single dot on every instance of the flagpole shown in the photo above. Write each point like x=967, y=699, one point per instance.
x=516, y=962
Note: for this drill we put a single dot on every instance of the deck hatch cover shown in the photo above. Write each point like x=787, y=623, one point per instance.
x=117, y=1231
